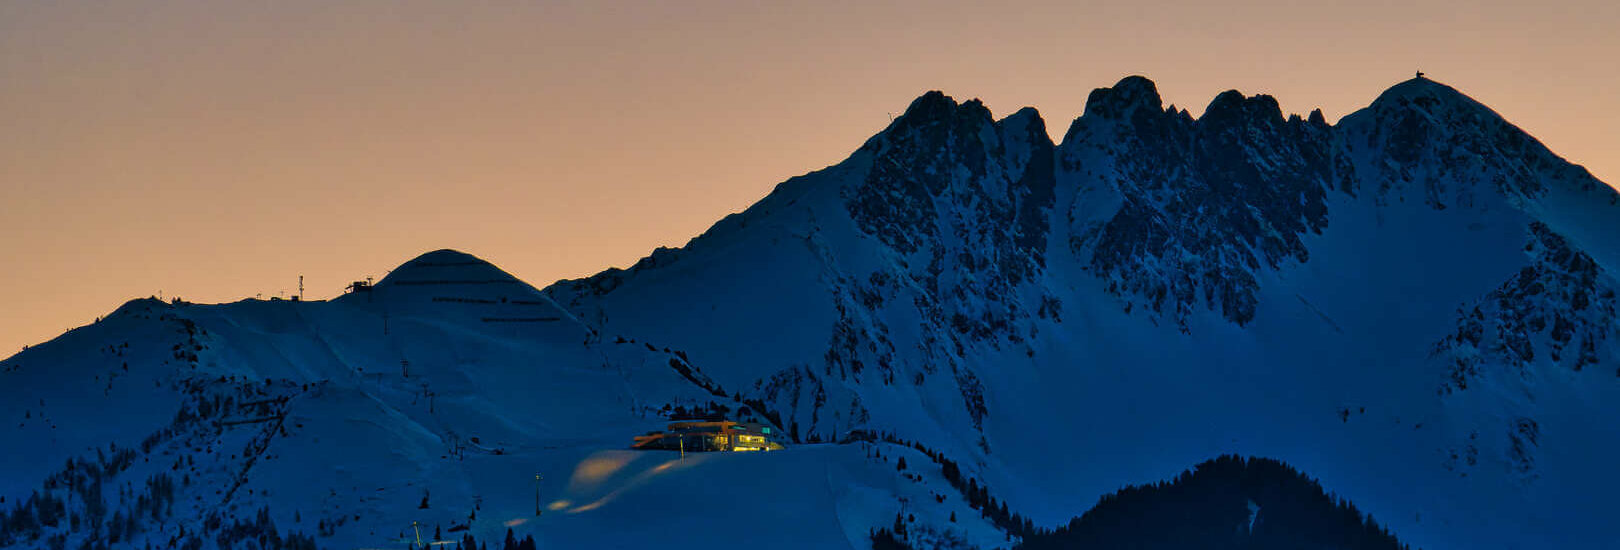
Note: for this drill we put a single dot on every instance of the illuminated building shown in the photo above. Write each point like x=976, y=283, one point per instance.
x=712, y=435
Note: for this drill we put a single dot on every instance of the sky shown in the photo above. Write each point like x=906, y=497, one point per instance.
x=218, y=150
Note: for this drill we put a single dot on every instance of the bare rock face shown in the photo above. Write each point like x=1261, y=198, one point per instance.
x=1204, y=203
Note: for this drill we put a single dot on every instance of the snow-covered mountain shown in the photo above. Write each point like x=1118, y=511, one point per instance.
x=1415, y=306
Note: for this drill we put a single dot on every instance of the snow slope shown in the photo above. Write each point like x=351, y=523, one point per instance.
x=435, y=398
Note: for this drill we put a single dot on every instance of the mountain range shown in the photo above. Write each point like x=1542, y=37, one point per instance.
x=971, y=334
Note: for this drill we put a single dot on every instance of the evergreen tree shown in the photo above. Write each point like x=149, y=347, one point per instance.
x=883, y=539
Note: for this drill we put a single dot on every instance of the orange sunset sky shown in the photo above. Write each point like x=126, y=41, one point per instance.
x=216, y=150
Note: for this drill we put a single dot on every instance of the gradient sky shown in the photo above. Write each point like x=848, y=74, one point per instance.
x=217, y=150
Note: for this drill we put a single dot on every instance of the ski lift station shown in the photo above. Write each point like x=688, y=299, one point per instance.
x=711, y=435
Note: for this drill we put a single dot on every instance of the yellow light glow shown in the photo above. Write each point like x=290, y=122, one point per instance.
x=589, y=507
x=598, y=467
x=634, y=481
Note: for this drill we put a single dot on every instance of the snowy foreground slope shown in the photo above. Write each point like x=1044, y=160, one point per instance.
x=1416, y=306
x=435, y=398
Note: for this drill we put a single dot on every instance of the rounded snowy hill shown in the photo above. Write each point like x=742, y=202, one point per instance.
x=457, y=284
x=457, y=271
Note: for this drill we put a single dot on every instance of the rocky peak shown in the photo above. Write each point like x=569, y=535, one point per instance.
x=1204, y=204
x=1419, y=111
x=1316, y=118
x=934, y=109
x=967, y=201
x=1025, y=125
x=1422, y=93
x=1432, y=139
x=1231, y=108
x=1131, y=111
x=1131, y=94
